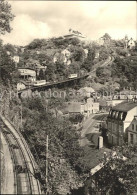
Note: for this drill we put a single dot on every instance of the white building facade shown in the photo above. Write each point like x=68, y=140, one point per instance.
x=119, y=118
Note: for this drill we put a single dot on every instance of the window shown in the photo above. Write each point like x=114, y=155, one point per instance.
x=132, y=126
x=116, y=115
x=131, y=138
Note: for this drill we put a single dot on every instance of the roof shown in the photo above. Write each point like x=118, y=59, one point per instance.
x=26, y=68
x=102, y=102
x=74, y=35
x=125, y=106
x=24, y=72
x=127, y=92
x=86, y=89
x=74, y=107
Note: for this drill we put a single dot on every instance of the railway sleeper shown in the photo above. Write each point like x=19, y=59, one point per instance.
x=42, y=179
x=6, y=132
x=37, y=175
x=14, y=146
x=20, y=169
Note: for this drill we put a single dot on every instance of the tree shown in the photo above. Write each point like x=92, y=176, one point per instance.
x=122, y=52
x=10, y=48
x=107, y=36
x=35, y=44
x=104, y=53
x=7, y=66
x=60, y=70
x=74, y=41
x=76, y=118
x=74, y=68
x=50, y=72
x=99, y=71
x=119, y=175
x=5, y=17
x=64, y=149
x=88, y=63
x=41, y=75
x=78, y=55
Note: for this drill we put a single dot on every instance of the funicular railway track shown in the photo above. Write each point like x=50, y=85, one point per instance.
x=23, y=163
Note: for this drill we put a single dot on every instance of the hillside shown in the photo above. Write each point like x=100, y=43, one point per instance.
x=62, y=57
x=38, y=119
x=121, y=73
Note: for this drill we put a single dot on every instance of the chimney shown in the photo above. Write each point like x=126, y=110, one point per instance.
x=135, y=99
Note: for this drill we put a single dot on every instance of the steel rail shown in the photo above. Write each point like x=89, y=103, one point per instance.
x=31, y=160
x=14, y=161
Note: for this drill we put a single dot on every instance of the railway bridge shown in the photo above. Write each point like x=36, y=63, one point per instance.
x=59, y=84
x=68, y=82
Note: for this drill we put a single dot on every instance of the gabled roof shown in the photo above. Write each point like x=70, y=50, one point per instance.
x=125, y=106
x=127, y=92
x=86, y=89
x=73, y=107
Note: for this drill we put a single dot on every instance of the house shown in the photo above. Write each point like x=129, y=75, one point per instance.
x=66, y=53
x=100, y=41
x=86, y=91
x=96, y=54
x=8, y=52
x=91, y=106
x=16, y=59
x=103, y=106
x=75, y=108
x=59, y=57
x=27, y=73
x=113, y=102
x=119, y=118
x=132, y=131
x=39, y=67
x=55, y=58
x=129, y=43
x=74, y=34
x=22, y=49
x=84, y=108
x=20, y=86
x=86, y=52
x=105, y=40
x=68, y=62
x=62, y=56
x=124, y=95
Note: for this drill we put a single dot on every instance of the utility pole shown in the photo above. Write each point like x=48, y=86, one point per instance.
x=47, y=139
x=21, y=115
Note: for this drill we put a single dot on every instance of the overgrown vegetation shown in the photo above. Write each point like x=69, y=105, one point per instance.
x=38, y=117
x=38, y=121
x=119, y=174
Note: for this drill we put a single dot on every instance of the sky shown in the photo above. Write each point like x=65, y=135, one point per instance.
x=45, y=19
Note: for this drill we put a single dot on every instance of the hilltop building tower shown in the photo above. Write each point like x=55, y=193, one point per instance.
x=129, y=43
x=126, y=41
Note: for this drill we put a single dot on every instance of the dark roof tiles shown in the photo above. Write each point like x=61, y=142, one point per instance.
x=125, y=106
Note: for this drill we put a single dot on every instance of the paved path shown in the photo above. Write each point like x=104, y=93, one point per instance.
x=87, y=124
x=108, y=61
x=6, y=166
x=90, y=129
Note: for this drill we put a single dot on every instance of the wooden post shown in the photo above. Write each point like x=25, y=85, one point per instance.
x=21, y=115
x=47, y=163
